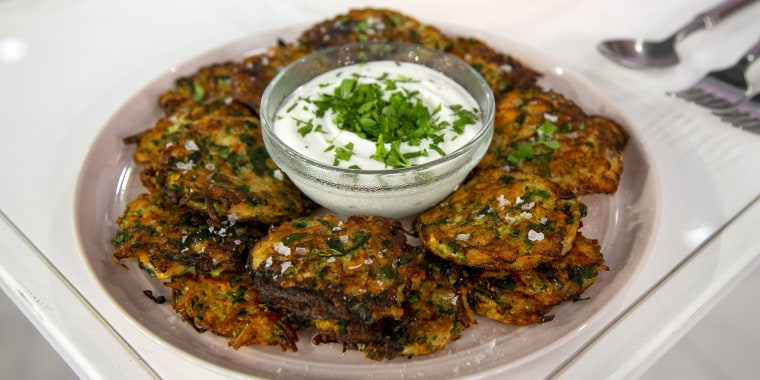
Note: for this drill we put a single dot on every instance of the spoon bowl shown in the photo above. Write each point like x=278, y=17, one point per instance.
x=639, y=53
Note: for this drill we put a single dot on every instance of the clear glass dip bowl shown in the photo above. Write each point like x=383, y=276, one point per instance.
x=394, y=193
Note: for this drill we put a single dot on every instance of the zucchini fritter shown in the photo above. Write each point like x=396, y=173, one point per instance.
x=435, y=313
x=168, y=241
x=206, y=92
x=230, y=306
x=251, y=77
x=524, y=297
x=502, y=220
x=372, y=25
x=502, y=72
x=219, y=166
x=544, y=133
x=322, y=268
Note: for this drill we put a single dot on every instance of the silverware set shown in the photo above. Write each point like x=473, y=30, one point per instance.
x=726, y=92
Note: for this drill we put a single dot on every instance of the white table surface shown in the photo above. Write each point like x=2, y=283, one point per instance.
x=66, y=66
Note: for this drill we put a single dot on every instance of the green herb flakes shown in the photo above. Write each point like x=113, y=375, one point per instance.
x=382, y=110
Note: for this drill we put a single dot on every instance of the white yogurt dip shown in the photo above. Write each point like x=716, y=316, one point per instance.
x=378, y=115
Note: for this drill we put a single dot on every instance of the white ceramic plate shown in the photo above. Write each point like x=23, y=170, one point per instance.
x=623, y=223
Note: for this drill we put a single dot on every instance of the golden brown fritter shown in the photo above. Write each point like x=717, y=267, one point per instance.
x=544, y=133
x=502, y=220
x=435, y=313
x=372, y=25
x=521, y=112
x=356, y=271
x=501, y=71
x=251, y=77
x=524, y=297
x=168, y=241
x=207, y=91
x=151, y=143
x=219, y=166
x=230, y=306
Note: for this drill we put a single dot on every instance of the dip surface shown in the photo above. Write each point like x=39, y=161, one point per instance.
x=378, y=115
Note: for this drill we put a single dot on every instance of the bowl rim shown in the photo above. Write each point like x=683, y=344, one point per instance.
x=486, y=128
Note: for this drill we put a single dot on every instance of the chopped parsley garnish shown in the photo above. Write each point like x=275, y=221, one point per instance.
x=121, y=237
x=464, y=118
x=580, y=275
x=292, y=238
x=338, y=248
x=381, y=111
x=343, y=153
x=544, y=139
x=198, y=92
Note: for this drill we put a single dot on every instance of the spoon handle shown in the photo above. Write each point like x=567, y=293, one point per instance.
x=711, y=17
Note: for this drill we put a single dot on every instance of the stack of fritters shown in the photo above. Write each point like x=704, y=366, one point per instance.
x=325, y=268
x=205, y=267
x=228, y=231
x=527, y=296
x=359, y=283
x=435, y=313
x=514, y=225
x=213, y=192
x=516, y=237
x=209, y=155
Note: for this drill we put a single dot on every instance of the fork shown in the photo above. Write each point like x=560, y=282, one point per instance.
x=746, y=116
x=723, y=90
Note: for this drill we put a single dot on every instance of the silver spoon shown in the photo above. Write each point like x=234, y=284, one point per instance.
x=638, y=53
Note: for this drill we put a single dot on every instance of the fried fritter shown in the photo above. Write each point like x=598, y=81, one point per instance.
x=544, y=133
x=372, y=25
x=435, y=313
x=230, y=306
x=219, y=166
x=322, y=268
x=206, y=92
x=168, y=241
x=524, y=297
x=251, y=77
x=502, y=220
x=502, y=72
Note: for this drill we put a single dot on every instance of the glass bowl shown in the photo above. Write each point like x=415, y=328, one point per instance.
x=391, y=192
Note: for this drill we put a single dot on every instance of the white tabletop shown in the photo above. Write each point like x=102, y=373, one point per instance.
x=67, y=66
